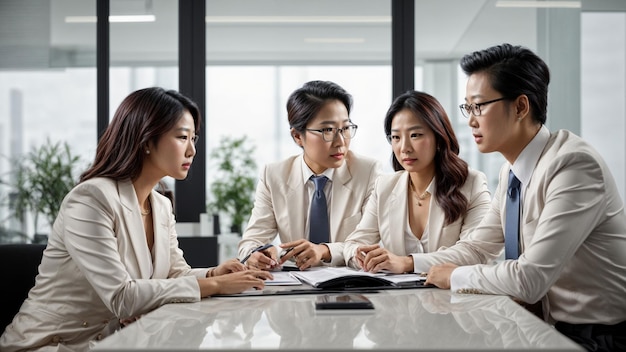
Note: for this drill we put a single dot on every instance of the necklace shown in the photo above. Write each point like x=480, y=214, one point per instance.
x=147, y=211
x=420, y=197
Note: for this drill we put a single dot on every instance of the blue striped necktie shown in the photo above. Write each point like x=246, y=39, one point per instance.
x=319, y=229
x=511, y=228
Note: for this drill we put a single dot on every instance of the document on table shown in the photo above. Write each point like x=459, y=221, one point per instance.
x=332, y=276
x=282, y=278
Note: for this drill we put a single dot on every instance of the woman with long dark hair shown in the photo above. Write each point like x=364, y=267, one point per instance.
x=112, y=254
x=430, y=202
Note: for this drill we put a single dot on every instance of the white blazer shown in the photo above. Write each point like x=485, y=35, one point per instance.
x=386, y=216
x=573, y=239
x=281, y=190
x=97, y=269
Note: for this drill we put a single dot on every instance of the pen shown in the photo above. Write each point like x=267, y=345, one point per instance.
x=257, y=249
x=285, y=251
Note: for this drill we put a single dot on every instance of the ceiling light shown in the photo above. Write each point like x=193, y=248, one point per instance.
x=539, y=4
x=297, y=19
x=335, y=40
x=112, y=19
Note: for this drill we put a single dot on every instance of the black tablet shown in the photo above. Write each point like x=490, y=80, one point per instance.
x=343, y=301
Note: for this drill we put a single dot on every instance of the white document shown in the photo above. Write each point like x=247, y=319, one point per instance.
x=282, y=278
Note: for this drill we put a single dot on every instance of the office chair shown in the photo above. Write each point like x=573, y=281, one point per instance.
x=19, y=263
x=199, y=252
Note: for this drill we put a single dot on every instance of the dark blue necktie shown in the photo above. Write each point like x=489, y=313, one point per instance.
x=318, y=218
x=511, y=228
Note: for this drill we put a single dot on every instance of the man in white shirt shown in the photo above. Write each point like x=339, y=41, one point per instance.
x=566, y=243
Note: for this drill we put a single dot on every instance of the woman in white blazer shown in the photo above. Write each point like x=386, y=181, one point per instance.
x=432, y=200
x=112, y=254
x=319, y=117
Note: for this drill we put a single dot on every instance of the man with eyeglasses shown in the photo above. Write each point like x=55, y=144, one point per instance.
x=557, y=210
x=311, y=201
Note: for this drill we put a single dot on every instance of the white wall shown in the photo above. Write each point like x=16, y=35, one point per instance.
x=603, y=88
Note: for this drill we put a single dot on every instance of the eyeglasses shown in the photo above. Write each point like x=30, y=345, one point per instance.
x=330, y=133
x=474, y=109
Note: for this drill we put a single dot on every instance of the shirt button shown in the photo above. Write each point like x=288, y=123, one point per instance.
x=99, y=337
x=85, y=324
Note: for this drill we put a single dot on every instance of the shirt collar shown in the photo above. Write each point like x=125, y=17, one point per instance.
x=524, y=165
x=307, y=172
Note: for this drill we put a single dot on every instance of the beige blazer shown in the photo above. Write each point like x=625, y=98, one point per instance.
x=386, y=216
x=97, y=269
x=281, y=193
x=573, y=239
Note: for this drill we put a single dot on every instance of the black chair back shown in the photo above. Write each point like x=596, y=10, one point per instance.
x=199, y=252
x=19, y=264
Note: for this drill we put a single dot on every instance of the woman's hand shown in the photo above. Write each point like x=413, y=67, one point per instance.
x=361, y=252
x=379, y=259
x=230, y=266
x=305, y=253
x=234, y=282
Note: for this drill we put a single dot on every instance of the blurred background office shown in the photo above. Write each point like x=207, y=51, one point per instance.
x=63, y=73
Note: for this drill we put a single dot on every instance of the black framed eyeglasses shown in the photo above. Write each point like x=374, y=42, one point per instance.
x=330, y=133
x=474, y=109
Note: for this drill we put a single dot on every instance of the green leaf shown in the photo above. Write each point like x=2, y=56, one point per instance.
x=235, y=171
x=42, y=179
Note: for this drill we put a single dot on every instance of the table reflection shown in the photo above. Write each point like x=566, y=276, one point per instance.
x=297, y=324
x=402, y=319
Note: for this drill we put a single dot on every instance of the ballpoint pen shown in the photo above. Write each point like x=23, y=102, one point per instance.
x=257, y=249
x=285, y=251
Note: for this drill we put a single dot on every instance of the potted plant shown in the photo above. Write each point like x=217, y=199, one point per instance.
x=42, y=179
x=235, y=179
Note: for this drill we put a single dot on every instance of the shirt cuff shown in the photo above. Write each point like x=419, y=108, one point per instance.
x=420, y=263
x=460, y=279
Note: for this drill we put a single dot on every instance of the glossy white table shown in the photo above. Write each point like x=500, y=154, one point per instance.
x=422, y=319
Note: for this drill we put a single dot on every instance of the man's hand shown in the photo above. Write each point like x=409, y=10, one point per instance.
x=439, y=275
x=305, y=253
x=263, y=260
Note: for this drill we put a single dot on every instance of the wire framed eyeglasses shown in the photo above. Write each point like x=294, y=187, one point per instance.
x=330, y=133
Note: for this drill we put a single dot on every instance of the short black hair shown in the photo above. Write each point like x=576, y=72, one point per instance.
x=513, y=71
x=305, y=102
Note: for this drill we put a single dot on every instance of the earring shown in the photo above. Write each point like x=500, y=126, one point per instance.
x=147, y=151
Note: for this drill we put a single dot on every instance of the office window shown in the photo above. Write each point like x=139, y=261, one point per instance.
x=143, y=46
x=603, y=82
x=260, y=51
x=47, y=89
